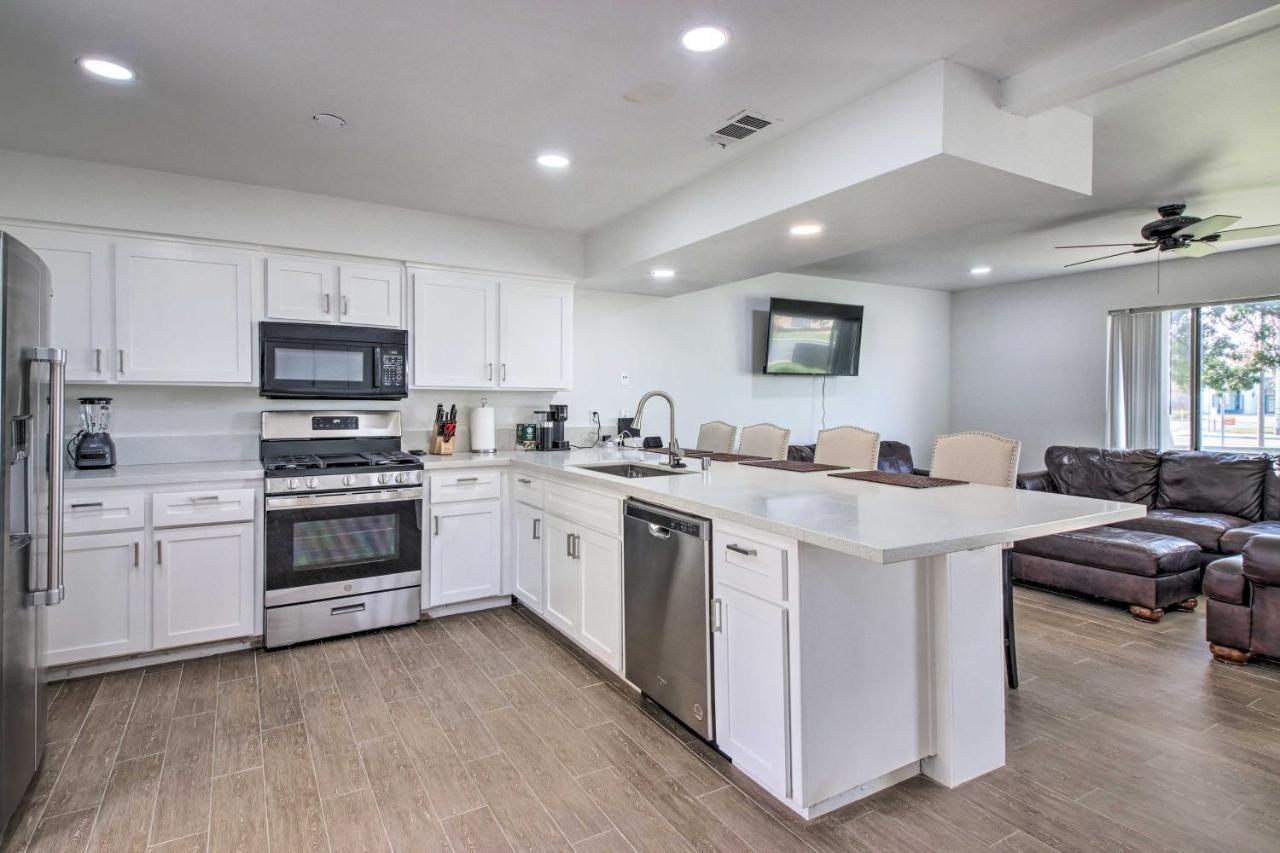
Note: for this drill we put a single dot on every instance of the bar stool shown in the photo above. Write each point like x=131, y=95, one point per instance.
x=764, y=440
x=716, y=436
x=848, y=446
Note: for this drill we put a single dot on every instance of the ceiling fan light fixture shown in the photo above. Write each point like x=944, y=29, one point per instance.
x=980, y=270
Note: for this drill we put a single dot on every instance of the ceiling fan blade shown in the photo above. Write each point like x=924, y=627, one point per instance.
x=1248, y=233
x=1205, y=227
x=1116, y=255
x=1196, y=250
x=1103, y=245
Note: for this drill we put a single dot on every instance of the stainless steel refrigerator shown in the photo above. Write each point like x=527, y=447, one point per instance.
x=31, y=407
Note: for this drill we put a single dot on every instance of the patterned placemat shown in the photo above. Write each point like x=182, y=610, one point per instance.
x=800, y=467
x=692, y=454
x=911, y=481
x=736, y=457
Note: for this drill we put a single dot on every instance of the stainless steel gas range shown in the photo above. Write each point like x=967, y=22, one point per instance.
x=343, y=525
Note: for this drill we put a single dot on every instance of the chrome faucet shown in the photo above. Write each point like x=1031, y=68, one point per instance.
x=676, y=453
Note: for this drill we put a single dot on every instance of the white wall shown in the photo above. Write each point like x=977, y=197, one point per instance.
x=1029, y=359
x=76, y=192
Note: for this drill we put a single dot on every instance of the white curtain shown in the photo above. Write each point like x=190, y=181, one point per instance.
x=1137, y=380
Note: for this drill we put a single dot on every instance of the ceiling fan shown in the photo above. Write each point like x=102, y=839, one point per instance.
x=1183, y=235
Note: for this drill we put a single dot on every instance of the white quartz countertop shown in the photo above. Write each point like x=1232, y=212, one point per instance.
x=878, y=522
x=162, y=473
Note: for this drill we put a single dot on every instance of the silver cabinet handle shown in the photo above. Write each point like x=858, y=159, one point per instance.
x=467, y=480
x=122, y=361
x=344, y=306
x=94, y=505
x=328, y=303
x=568, y=545
x=159, y=552
x=575, y=541
x=435, y=525
x=524, y=481
x=488, y=367
x=504, y=371
x=97, y=359
x=53, y=591
x=738, y=549
x=203, y=499
x=346, y=608
x=137, y=555
x=717, y=616
x=537, y=528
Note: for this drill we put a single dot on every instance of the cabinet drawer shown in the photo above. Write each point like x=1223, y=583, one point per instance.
x=93, y=513
x=527, y=490
x=465, y=486
x=603, y=512
x=751, y=562
x=212, y=506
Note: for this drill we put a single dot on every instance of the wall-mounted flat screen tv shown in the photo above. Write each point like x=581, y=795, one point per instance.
x=813, y=338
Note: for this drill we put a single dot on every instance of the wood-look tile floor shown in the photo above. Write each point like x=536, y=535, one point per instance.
x=481, y=733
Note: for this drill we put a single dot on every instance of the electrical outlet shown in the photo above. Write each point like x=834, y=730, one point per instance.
x=624, y=380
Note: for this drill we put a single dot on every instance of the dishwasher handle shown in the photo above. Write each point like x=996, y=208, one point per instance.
x=669, y=520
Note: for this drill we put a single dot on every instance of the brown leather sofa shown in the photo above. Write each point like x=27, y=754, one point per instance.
x=894, y=456
x=1244, y=602
x=1201, y=506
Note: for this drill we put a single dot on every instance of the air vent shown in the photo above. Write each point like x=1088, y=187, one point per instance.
x=744, y=124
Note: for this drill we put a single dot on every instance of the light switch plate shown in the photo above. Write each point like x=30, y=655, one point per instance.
x=624, y=380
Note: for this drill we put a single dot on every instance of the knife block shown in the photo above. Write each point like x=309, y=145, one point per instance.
x=440, y=446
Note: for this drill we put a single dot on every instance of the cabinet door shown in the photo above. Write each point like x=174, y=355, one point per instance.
x=105, y=611
x=370, y=295
x=561, y=600
x=466, y=554
x=301, y=289
x=183, y=314
x=455, y=332
x=600, y=582
x=203, y=584
x=536, y=344
x=528, y=556
x=750, y=651
x=79, y=266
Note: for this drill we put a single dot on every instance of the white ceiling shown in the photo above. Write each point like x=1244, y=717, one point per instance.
x=447, y=102
x=1205, y=132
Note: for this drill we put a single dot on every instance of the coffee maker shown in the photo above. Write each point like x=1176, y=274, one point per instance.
x=91, y=446
x=551, y=430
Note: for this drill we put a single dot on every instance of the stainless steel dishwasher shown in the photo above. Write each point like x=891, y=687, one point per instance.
x=667, y=585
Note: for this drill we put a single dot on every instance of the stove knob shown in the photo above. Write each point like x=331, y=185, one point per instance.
x=349, y=480
x=400, y=478
x=291, y=483
x=384, y=478
x=312, y=482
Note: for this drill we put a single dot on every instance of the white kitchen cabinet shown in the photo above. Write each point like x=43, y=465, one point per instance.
x=750, y=648
x=466, y=551
x=80, y=272
x=202, y=584
x=600, y=591
x=301, y=289
x=527, y=544
x=536, y=335
x=562, y=586
x=455, y=331
x=183, y=314
x=370, y=295
x=105, y=610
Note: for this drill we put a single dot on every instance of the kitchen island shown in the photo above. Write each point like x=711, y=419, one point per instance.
x=857, y=626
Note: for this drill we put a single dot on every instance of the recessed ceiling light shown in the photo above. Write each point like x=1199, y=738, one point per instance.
x=553, y=161
x=329, y=120
x=703, y=39
x=806, y=230
x=106, y=69
x=662, y=273
x=979, y=270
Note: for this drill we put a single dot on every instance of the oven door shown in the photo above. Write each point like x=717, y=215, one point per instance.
x=319, y=369
x=331, y=545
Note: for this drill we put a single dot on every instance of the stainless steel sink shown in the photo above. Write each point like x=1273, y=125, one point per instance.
x=630, y=470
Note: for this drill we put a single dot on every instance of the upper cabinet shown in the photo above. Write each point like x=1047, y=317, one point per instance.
x=80, y=269
x=183, y=314
x=471, y=332
x=315, y=290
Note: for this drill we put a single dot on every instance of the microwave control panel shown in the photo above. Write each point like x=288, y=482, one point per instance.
x=393, y=368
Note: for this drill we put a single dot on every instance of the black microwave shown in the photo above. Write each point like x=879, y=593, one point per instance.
x=321, y=362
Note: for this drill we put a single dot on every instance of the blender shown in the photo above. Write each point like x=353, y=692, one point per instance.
x=91, y=446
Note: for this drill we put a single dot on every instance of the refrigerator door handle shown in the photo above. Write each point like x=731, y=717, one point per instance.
x=53, y=591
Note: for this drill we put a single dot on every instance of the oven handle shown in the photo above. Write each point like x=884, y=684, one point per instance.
x=278, y=502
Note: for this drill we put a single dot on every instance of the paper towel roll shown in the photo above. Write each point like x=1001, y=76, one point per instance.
x=482, y=430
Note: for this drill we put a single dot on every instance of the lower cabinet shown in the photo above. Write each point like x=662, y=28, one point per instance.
x=584, y=587
x=527, y=547
x=203, y=587
x=105, y=610
x=561, y=608
x=751, y=651
x=466, y=552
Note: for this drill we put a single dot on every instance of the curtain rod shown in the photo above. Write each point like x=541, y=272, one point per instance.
x=1155, y=308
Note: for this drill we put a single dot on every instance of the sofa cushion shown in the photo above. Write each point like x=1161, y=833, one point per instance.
x=1271, y=491
x=1262, y=560
x=1207, y=481
x=1131, y=551
x=1224, y=580
x=1234, y=540
x=1095, y=472
x=1203, y=528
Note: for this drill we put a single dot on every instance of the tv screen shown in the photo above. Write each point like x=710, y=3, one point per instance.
x=813, y=338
